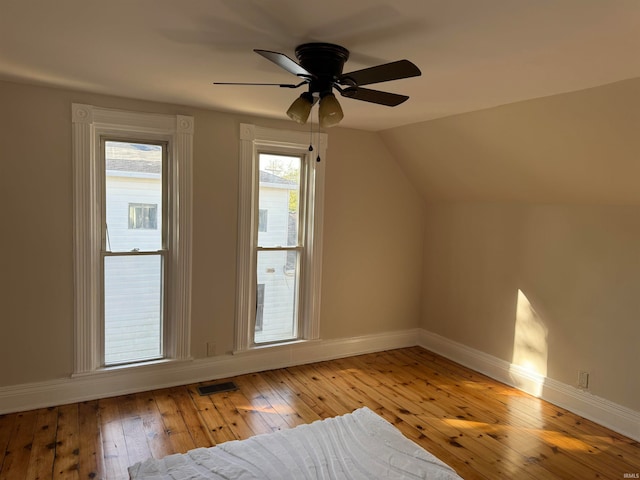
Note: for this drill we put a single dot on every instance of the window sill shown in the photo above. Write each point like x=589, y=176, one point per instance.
x=131, y=367
x=275, y=346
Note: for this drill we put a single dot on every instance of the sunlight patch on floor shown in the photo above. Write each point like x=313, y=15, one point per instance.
x=527, y=437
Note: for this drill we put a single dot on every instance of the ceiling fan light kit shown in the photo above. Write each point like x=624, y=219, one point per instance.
x=301, y=108
x=320, y=67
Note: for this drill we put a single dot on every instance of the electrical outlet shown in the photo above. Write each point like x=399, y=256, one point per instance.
x=583, y=380
x=211, y=349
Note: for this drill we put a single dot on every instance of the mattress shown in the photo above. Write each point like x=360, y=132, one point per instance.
x=359, y=445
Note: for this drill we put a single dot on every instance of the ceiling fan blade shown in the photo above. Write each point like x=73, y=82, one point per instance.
x=374, y=96
x=381, y=73
x=285, y=62
x=282, y=85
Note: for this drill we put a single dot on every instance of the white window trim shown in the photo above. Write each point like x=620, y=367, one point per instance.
x=255, y=139
x=89, y=123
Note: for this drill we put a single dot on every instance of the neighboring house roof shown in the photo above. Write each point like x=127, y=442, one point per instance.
x=137, y=166
x=152, y=166
x=133, y=158
x=266, y=177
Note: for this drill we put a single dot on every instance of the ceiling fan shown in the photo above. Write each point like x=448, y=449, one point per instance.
x=320, y=67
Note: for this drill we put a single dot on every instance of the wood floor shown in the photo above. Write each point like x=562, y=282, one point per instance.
x=480, y=427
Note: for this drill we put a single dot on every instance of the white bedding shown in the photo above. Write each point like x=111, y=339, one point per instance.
x=359, y=445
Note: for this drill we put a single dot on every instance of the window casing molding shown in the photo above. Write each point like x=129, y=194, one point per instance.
x=253, y=141
x=89, y=124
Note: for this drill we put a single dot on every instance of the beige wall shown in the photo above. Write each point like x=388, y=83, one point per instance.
x=539, y=197
x=578, y=267
x=373, y=220
x=373, y=232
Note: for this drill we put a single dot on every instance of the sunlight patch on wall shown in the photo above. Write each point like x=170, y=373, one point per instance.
x=530, y=349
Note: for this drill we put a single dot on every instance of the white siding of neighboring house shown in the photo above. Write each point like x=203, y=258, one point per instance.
x=280, y=285
x=133, y=294
x=133, y=306
x=123, y=191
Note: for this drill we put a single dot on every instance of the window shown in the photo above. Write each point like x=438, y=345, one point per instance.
x=132, y=212
x=133, y=261
x=280, y=249
x=279, y=266
x=143, y=216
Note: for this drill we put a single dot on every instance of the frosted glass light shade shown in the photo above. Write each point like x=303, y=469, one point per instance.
x=330, y=111
x=301, y=108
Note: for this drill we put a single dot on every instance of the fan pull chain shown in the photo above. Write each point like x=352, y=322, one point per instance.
x=318, y=137
x=311, y=133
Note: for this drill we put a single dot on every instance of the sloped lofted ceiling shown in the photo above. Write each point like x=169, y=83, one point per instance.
x=473, y=54
x=576, y=148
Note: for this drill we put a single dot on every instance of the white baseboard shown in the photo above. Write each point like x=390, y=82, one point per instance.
x=168, y=374
x=604, y=412
x=121, y=381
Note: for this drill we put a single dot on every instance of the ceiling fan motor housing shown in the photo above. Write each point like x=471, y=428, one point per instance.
x=325, y=61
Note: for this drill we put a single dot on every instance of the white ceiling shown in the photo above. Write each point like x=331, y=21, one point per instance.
x=473, y=54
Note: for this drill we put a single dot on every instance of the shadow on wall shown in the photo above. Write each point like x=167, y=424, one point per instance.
x=530, y=349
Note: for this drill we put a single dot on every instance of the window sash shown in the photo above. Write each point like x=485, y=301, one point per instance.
x=280, y=300
x=135, y=323
x=297, y=299
x=254, y=140
x=111, y=357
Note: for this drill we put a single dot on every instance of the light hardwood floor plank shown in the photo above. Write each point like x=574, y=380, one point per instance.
x=67, y=461
x=6, y=430
x=555, y=427
x=18, y=450
x=482, y=428
x=174, y=424
x=452, y=412
x=260, y=404
x=91, y=457
x=215, y=425
x=197, y=431
x=43, y=448
x=543, y=431
x=116, y=458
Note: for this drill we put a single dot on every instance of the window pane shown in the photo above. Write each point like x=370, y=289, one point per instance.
x=278, y=200
x=133, y=183
x=278, y=296
x=132, y=308
x=259, y=306
x=143, y=216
